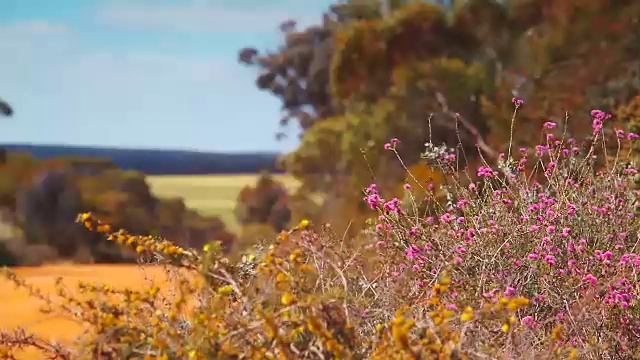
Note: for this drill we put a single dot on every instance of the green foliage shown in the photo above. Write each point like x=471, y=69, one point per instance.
x=318, y=155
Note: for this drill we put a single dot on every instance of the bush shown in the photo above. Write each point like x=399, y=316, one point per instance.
x=266, y=203
x=508, y=267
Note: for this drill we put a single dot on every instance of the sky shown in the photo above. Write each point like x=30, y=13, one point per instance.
x=142, y=73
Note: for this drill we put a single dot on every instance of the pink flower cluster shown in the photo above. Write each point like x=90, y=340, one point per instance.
x=559, y=241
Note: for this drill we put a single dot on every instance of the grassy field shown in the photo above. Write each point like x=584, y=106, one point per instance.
x=19, y=309
x=210, y=194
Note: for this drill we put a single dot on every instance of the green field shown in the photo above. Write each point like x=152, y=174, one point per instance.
x=209, y=194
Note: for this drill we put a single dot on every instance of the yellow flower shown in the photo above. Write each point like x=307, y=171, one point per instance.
x=573, y=354
x=505, y=328
x=467, y=314
x=206, y=247
x=287, y=299
x=295, y=255
x=304, y=223
x=104, y=228
x=225, y=290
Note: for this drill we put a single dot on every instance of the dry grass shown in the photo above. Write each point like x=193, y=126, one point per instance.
x=21, y=310
x=209, y=194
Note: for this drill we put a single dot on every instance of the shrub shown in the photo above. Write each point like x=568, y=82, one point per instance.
x=508, y=267
x=266, y=203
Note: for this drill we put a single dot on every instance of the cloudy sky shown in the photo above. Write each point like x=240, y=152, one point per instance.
x=141, y=73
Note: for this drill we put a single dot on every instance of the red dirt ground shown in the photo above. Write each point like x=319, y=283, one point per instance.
x=20, y=310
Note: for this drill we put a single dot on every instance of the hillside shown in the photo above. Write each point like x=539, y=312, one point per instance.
x=160, y=162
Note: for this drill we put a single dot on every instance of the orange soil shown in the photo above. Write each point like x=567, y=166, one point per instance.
x=20, y=310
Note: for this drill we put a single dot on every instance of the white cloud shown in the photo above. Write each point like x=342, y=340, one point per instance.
x=52, y=50
x=52, y=75
x=33, y=27
x=31, y=35
x=198, y=17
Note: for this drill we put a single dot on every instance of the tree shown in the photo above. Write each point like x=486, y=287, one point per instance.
x=265, y=203
x=446, y=74
x=5, y=108
x=297, y=73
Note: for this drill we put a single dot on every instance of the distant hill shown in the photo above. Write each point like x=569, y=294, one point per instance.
x=160, y=162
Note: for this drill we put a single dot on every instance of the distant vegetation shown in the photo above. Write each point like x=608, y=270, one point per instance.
x=40, y=199
x=213, y=195
x=160, y=162
x=43, y=188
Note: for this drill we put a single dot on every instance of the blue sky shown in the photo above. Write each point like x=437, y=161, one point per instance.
x=142, y=73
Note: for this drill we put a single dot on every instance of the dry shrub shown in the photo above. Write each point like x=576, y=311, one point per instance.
x=507, y=268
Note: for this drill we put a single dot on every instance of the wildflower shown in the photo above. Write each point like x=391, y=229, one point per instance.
x=206, y=247
x=550, y=259
x=103, y=228
x=590, y=278
x=413, y=231
x=287, y=299
x=509, y=291
x=304, y=223
x=467, y=314
x=527, y=320
x=225, y=290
